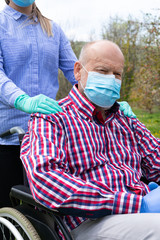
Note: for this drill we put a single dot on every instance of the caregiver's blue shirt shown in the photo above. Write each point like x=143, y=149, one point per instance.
x=29, y=62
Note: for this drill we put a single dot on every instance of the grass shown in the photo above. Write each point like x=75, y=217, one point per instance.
x=151, y=120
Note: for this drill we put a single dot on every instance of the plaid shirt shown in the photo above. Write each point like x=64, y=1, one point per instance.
x=88, y=167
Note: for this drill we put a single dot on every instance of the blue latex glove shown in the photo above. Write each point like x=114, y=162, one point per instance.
x=124, y=106
x=39, y=103
x=151, y=201
x=152, y=185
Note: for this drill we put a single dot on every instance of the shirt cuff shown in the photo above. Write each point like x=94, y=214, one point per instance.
x=14, y=96
x=125, y=203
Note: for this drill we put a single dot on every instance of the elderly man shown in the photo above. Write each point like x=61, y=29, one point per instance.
x=88, y=160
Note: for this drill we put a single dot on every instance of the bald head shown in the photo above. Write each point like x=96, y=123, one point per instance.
x=101, y=48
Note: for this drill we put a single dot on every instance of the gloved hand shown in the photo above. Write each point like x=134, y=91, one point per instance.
x=151, y=201
x=39, y=103
x=152, y=185
x=124, y=106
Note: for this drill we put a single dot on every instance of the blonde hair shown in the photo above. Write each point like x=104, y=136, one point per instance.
x=44, y=22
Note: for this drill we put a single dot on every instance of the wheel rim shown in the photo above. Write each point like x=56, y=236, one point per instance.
x=20, y=222
x=4, y=223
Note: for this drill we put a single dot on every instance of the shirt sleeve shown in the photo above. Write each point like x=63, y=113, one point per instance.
x=44, y=155
x=8, y=90
x=149, y=149
x=67, y=58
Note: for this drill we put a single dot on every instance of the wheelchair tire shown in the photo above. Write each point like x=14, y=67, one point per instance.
x=22, y=224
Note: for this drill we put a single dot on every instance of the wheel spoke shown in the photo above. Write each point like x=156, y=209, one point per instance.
x=17, y=226
x=11, y=228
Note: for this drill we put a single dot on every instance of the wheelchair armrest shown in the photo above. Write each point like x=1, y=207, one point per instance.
x=24, y=194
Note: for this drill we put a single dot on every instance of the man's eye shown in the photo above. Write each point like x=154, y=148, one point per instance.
x=117, y=74
x=103, y=71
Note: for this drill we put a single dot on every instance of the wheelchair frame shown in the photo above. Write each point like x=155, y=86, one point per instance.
x=42, y=223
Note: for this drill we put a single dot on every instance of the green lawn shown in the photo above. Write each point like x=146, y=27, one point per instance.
x=151, y=121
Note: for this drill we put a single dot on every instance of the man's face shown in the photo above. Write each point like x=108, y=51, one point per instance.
x=104, y=58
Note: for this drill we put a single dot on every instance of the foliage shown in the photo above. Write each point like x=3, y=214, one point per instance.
x=147, y=76
x=64, y=85
x=140, y=44
x=151, y=121
x=146, y=91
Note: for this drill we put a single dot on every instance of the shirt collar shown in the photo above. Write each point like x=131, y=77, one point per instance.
x=85, y=108
x=12, y=12
x=15, y=14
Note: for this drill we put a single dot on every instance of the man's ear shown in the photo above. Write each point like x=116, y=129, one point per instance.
x=77, y=72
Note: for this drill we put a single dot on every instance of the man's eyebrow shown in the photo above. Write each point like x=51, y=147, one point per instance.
x=102, y=67
x=108, y=68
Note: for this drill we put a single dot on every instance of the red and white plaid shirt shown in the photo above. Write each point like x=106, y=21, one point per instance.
x=88, y=167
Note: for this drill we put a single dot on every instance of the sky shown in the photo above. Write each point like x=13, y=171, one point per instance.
x=83, y=19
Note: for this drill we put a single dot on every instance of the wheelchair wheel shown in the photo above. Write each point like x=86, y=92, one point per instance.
x=11, y=219
x=4, y=223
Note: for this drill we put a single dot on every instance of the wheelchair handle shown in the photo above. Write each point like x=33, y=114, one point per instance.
x=13, y=130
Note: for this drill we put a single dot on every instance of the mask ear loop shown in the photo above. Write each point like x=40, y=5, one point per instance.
x=80, y=80
x=81, y=85
x=84, y=67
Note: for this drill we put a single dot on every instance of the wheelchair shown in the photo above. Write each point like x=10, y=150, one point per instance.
x=27, y=219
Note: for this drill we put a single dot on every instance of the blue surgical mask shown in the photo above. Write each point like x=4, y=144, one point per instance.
x=23, y=3
x=102, y=90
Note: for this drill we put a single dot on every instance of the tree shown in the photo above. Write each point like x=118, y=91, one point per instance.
x=140, y=44
x=147, y=76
